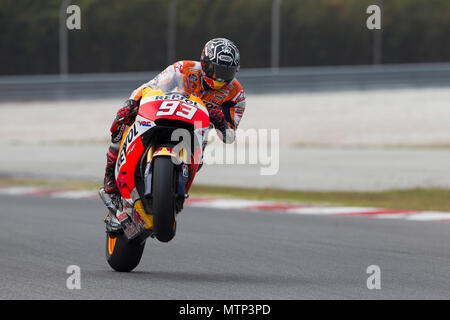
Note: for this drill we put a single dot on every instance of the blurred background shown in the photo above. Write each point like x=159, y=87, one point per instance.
x=134, y=35
x=357, y=109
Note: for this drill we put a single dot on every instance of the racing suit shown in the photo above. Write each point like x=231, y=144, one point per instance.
x=225, y=105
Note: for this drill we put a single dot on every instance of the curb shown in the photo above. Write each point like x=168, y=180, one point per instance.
x=253, y=205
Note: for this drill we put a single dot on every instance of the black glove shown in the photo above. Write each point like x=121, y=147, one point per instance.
x=128, y=112
x=217, y=118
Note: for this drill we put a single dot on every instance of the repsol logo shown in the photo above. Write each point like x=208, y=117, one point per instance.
x=132, y=133
x=176, y=96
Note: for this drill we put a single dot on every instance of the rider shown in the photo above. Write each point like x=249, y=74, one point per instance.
x=212, y=80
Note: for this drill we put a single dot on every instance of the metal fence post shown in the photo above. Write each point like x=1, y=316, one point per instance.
x=63, y=39
x=377, y=53
x=171, y=31
x=275, y=41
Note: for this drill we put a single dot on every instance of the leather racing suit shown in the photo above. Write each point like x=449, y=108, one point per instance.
x=225, y=105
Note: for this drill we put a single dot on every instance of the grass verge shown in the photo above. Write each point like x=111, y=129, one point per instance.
x=50, y=184
x=411, y=199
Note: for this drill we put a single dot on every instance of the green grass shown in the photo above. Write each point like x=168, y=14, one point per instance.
x=51, y=184
x=437, y=146
x=413, y=199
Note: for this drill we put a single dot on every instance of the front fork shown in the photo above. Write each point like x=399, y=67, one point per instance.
x=185, y=173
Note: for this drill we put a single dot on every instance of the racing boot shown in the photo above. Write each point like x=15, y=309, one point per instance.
x=110, y=194
x=112, y=223
x=112, y=202
x=110, y=185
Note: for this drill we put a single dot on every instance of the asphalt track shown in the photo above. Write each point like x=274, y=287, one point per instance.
x=221, y=254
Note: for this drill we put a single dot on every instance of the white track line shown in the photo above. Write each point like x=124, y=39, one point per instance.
x=330, y=210
x=13, y=191
x=74, y=194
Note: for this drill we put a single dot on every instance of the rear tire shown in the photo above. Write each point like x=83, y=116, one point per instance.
x=163, y=192
x=123, y=255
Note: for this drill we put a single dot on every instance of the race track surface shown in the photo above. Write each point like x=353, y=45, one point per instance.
x=220, y=254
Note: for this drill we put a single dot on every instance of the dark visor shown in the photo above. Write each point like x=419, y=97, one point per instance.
x=221, y=73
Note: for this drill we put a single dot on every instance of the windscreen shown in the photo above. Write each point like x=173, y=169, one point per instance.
x=170, y=83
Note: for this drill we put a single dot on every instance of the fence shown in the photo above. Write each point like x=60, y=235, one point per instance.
x=76, y=86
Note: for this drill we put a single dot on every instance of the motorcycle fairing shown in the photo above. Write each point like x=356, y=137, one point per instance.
x=152, y=99
x=137, y=146
x=131, y=150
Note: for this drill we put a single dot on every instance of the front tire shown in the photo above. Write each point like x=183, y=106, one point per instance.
x=164, y=222
x=123, y=255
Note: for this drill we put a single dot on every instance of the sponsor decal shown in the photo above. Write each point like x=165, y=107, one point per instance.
x=145, y=123
x=119, y=134
x=131, y=149
x=132, y=133
x=164, y=150
x=185, y=171
x=225, y=57
x=224, y=92
x=138, y=219
x=209, y=105
x=177, y=96
x=123, y=216
x=130, y=230
x=178, y=67
x=239, y=97
x=193, y=77
x=219, y=97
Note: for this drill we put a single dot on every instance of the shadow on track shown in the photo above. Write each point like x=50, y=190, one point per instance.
x=202, y=277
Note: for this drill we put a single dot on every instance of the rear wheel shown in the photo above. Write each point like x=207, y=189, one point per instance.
x=163, y=192
x=123, y=255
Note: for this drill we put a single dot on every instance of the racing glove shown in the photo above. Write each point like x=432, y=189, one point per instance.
x=217, y=118
x=127, y=113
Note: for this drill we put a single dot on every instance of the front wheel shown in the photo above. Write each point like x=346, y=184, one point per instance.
x=123, y=255
x=164, y=222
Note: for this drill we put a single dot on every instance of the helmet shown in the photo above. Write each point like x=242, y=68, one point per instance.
x=220, y=62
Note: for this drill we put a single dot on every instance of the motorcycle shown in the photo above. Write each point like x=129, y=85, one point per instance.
x=159, y=156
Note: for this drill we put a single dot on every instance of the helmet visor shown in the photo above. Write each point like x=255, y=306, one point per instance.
x=221, y=73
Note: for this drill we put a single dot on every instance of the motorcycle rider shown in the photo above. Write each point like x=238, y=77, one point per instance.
x=212, y=80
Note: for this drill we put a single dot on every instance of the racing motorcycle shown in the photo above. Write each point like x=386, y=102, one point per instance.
x=159, y=156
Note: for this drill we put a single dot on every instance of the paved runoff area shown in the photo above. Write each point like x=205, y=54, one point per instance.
x=347, y=140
